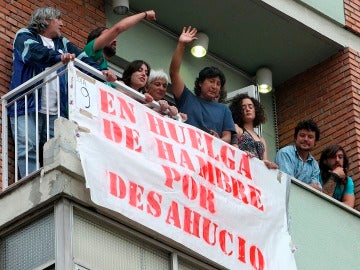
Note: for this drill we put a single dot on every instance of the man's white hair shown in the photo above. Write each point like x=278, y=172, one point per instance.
x=41, y=18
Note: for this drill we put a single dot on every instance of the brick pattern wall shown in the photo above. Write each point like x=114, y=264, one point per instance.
x=79, y=17
x=352, y=15
x=329, y=93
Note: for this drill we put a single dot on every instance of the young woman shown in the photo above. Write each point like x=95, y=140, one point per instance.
x=247, y=114
x=136, y=75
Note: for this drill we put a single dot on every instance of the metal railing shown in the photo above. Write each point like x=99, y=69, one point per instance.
x=31, y=90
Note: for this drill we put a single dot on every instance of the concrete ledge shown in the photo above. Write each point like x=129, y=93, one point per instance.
x=62, y=175
x=60, y=152
x=34, y=193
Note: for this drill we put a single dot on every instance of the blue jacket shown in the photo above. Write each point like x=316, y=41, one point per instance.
x=31, y=57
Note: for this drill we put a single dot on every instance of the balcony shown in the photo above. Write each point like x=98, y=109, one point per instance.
x=49, y=218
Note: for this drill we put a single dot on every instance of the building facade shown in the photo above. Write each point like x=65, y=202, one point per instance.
x=57, y=205
x=328, y=92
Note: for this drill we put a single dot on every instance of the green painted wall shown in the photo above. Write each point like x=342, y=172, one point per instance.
x=326, y=235
x=268, y=129
x=156, y=47
x=147, y=43
x=331, y=8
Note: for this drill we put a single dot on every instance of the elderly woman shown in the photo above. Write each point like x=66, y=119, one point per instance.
x=156, y=87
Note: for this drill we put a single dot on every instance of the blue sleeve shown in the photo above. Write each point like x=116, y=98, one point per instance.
x=31, y=51
x=349, y=188
x=284, y=161
x=81, y=55
x=315, y=175
x=184, y=95
x=70, y=47
x=228, y=121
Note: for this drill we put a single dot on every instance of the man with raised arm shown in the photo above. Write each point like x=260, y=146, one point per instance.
x=37, y=47
x=101, y=42
x=202, y=108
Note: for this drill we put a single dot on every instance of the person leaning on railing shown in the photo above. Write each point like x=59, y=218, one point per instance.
x=296, y=160
x=248, y=114
x=136, y=75
x=156, y=86
x=334, y=164
x=37, y=47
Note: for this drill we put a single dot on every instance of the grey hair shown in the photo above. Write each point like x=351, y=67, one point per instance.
x=157, y=74
x=40, y=18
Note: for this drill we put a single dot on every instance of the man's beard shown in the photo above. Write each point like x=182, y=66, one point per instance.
x=109, y=51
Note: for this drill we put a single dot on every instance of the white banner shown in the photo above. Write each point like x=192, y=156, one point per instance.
x=180, y=181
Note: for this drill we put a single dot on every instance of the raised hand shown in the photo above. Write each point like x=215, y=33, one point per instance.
x=188, y=34
x=150, y=15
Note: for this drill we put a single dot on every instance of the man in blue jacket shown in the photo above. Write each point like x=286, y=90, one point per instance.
x=37, y=47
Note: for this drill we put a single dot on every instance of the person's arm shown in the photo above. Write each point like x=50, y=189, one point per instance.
x=349, y=199
x=81, y=55
x=228, y=126
x=268, y=163
x=110, y=34
x=329, y=186
x=349, y=193
x=285, y=162
x=335, y=176
x=239, y=130
x=177, y=84
x=265, y=147
x=32, y=51
x=315, y=176
x=226, y=136
x=234, y=140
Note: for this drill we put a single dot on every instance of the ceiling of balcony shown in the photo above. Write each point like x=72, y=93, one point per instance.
x=246, y=33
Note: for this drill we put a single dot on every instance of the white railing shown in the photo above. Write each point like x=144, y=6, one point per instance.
x=23, y=92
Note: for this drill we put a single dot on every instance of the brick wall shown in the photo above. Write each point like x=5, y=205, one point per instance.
x=330, y=94
x=352, y=15
x=79, y=17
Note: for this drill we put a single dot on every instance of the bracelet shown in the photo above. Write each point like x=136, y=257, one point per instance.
x=145, y=14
